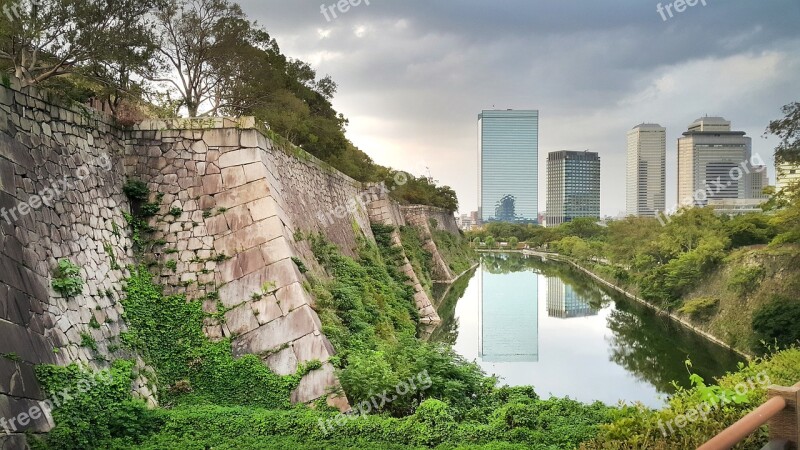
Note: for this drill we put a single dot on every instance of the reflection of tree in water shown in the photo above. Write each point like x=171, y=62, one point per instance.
x=652, y=346
x=446, y=301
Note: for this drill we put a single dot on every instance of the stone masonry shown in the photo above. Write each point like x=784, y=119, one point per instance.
x=236, y=211
x=60, y=197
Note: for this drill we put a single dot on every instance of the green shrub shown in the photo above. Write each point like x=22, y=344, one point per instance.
x=777, y=323
x=97, y=408
x=66, y=279
x=699, y=307
x=168, y=332
x=136, y=190
x=746, y=279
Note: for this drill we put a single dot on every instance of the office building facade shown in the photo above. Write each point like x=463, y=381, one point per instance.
x=646, y=176
x=508, y=182
x=788, y=173
x=709, y=154
x=573, y=186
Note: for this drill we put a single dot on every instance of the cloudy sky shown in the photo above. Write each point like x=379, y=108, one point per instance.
x=414, y=74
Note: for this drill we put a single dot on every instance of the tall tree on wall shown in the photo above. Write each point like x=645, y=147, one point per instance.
x=205, y=43
x=105, y=40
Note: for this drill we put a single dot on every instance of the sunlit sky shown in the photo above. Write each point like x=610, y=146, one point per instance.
x=414, y=74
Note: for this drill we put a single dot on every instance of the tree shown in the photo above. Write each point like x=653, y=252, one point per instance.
x=788, y=130
x=490, y=242
x=107, y=39
x=202, y=41
x=513, y=243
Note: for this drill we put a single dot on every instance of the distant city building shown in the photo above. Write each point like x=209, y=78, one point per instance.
x=573, y=186
x=564, y=303
x=509, y=166
x=736, y=206
x=787, y=174
x=646, y=170
x=759, y=180
x=465, y=222
x=708, y=155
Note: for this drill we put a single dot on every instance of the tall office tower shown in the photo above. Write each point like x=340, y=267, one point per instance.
x=708, y=155
x=788, y=173
x=646, y=170
x=508, y=166
x=573, y=186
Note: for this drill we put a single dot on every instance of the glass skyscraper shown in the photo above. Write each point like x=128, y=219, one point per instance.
x=509, y=166
x=573, y=186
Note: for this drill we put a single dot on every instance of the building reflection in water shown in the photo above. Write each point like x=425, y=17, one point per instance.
x=564, y=303
x=509, y=317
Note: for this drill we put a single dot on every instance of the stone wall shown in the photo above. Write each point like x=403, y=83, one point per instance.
x=236, y=209
x=426, y=219
x=60, y=197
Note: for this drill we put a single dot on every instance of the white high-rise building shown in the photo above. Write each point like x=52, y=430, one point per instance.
x=709, y=158
x=646, y=170
x=788, y=173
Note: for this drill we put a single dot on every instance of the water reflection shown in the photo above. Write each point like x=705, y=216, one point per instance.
x=509, y=316
x=564, y=302
x=580, y=341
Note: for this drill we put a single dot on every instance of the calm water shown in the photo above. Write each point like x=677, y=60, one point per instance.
x=549, y=326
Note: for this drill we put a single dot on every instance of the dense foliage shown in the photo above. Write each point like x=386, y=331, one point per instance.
x=168, y=332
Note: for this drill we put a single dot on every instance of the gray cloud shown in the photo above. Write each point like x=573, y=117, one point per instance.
x=414, y=74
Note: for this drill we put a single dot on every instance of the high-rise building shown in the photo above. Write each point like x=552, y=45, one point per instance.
x=508, y=166
x=788, y=173
x=709, y=154
x=646, y=170
x=573, y=186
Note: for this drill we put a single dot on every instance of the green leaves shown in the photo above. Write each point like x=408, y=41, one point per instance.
x=66, y=279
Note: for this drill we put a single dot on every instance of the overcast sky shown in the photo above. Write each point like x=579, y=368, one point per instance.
x=414, y=74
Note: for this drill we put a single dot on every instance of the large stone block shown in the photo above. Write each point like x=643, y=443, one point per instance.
x=242, y=194
x=281, y=331
x=266, y=310
x=292, y=297
x=283, y=362
x=241, y=320
x=233, y=177
x=313, y=347
x=239, y=157
x=238, y=217
x=315, y=385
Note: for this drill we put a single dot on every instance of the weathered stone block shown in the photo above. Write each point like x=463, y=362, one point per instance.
x=292, y=297
x=239, y=157
x=241, y=320
x=315, y=385
x=233, y=177
x=313, y=347
x=283, y=362
x=266, y=310
x=276, y=333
